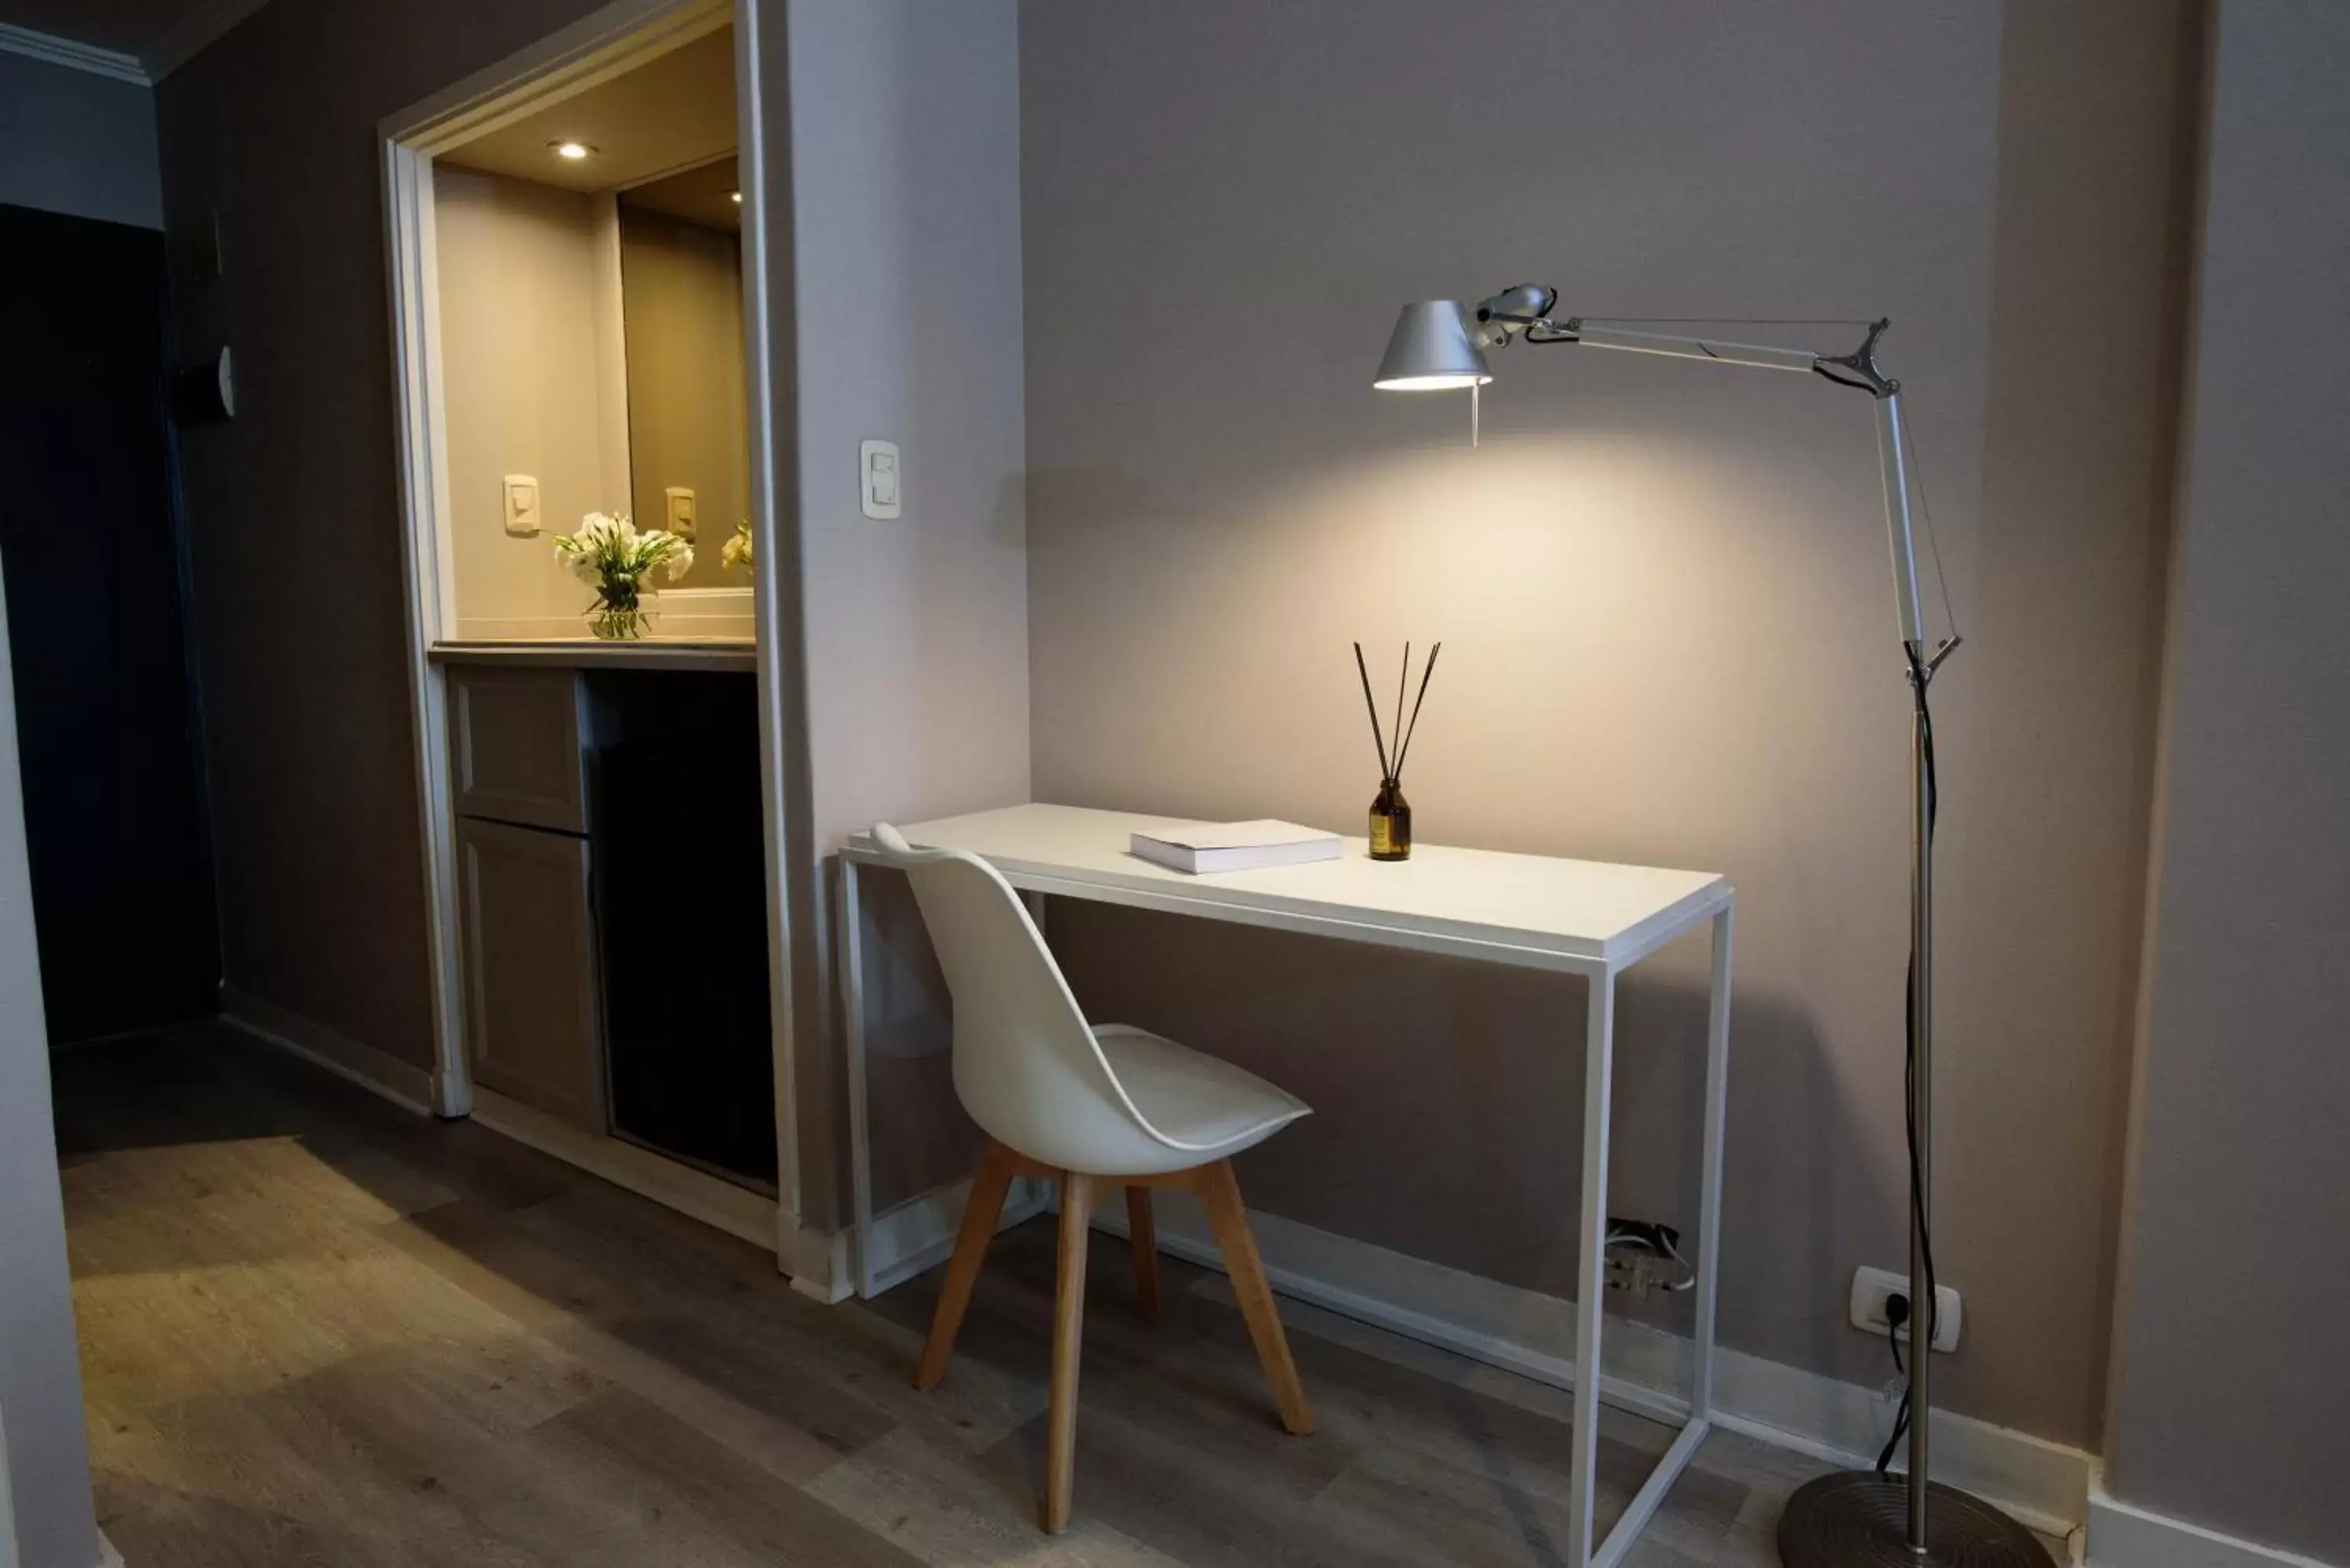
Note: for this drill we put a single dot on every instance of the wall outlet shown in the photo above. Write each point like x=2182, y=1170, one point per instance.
x=1870, y=1287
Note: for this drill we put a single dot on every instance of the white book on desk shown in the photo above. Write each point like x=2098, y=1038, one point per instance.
x=1235, y=845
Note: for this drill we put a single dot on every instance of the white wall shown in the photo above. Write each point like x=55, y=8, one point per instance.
x=2229, y=1367
x=46, y=1452
x=905, y=166
x=535, y=382
x=74, y=141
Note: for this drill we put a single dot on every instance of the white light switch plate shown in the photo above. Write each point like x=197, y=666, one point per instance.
x=522, y=506
x=880, y=478
x=680, y=521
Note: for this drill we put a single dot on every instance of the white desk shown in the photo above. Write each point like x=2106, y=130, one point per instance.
x=1577, y=916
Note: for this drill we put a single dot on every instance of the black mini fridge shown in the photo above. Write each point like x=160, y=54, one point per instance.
x=682, y=913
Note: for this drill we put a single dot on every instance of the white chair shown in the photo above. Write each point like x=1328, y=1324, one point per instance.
x=1087, y=1107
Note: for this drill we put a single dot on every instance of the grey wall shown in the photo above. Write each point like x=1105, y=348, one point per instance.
x=905, y=162
x=294, y=505
x=1662, y=590
x=2227, y=1379
x=47, y=1453
x=74, y=141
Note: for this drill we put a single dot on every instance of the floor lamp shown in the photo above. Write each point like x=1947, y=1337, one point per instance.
x=1858, y=1517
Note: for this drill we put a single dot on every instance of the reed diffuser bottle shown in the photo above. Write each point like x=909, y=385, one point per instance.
x=1391, y=823
x=1390, y=833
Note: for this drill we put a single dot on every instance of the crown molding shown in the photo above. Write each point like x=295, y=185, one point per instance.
x=64, y=52
x=185, y=41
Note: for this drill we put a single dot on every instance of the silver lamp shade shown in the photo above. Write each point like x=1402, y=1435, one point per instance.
x=1430, y=351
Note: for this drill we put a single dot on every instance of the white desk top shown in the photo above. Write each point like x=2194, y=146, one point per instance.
x=1584, y=909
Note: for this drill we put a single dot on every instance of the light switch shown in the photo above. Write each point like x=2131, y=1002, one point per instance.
x=522, y=506
x=681, y=512
x=877, y=462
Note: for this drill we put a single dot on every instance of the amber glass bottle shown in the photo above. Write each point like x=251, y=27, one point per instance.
x=1391, y=823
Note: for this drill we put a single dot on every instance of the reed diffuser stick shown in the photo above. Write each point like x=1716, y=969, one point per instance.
x=1404, y=744
x=1403, y=678
x=1372, y=707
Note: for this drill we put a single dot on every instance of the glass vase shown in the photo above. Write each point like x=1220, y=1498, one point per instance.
x=621, y=613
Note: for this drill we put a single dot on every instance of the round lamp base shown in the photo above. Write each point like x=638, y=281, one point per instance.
x=1858, y=1519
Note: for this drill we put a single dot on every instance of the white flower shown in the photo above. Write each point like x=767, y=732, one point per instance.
x=737, y=553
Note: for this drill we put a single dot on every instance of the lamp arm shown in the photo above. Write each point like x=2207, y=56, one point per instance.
x=1524, y=312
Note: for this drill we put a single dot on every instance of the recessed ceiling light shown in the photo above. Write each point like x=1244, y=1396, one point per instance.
x=573, y=150
x=738, y=197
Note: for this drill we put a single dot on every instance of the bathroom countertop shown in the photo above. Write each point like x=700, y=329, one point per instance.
x=588, y=653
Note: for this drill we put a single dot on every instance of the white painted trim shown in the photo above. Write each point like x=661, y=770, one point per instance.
x=404, y=1084
x=613, y=39
x=2124, y=1535
x=598, y=47
x=915, y=1235
x=108, y=1554
x=191, y=33
x=73, y=56
x=737, y=1211
x=2043, y=1484
x=818, y=1261
x=763, y=223
x=920, y=1233
x=428, y=571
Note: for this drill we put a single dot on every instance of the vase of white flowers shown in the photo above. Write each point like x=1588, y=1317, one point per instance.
x=610, y=555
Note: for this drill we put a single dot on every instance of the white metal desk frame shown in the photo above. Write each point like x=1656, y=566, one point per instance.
x=1212, y=901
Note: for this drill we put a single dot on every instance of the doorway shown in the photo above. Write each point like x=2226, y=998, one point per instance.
x=94, y=553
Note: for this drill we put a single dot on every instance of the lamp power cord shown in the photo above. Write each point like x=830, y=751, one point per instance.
x=1919, y=676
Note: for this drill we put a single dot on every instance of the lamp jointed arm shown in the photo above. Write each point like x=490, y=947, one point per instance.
x=1526, y=311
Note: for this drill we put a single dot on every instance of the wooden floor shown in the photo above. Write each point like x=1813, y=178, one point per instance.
x=318, y=1330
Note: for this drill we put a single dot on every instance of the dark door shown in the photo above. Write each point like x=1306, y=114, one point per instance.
x=98, y=630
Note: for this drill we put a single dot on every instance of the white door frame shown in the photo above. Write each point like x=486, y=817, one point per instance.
x=600, y=46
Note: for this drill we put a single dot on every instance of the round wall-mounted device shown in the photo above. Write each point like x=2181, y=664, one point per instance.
x=205, y=391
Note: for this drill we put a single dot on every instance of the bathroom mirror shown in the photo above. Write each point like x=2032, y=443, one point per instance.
x=682, y=308
x=590, y=304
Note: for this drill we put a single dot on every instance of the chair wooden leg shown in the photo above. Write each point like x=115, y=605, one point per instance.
x=1220, y=1195
x=1142, y=1231
x=997, y=1167
x=1069, y=1333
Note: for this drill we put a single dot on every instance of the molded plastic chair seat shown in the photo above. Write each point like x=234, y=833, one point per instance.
x=1064, y=1100
x=1204, y=1102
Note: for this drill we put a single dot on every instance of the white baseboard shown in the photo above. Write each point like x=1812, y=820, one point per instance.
x=921, y=1231
x=2043, y=1484
x=404, y=1084
x=108, y=1557
x=2124, y=1535
x=821, y=1264
x=737, y=1211
x=906, y=1239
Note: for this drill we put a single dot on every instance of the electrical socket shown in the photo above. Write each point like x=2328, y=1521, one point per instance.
x=1871, y=1287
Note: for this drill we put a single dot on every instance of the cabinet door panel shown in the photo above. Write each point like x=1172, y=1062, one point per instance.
x=531, y=1010
x=514, y=746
